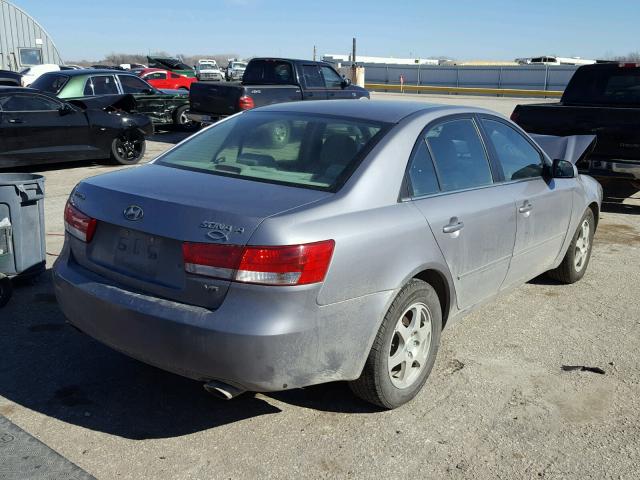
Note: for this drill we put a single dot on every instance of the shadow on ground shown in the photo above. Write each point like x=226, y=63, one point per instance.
x=615, y=193
x=49, y=367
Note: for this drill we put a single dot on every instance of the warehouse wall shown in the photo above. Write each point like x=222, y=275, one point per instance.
x=21, y=34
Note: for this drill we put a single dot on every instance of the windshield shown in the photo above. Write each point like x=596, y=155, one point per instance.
x=599, y=86
x=208, y=66
x=310, y=151
x=239, y=65
x=50, y=82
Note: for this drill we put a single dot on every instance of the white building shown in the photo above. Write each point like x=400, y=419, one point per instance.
x=337, y=58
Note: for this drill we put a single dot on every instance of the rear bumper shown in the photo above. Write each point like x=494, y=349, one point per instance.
x=204, y=118
x=260, y=339
x=611, y=168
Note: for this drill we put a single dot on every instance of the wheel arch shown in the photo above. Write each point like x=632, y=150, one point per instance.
x=596, y=212
x=441, y=285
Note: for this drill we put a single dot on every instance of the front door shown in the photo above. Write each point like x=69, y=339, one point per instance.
x=472, y=219
x=335, y=84
x=314, y=83
x=543, y=206
x=35, y=128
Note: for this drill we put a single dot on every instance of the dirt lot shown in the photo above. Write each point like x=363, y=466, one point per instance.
x=496, y=406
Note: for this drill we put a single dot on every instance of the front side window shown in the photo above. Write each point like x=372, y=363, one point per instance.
x=459, y=155
x=101, y=85
x=516, y=155
x=331, y=78
x=30, y=56
x=422, y=174
x=302, y=150
x=312, y=77
x=131, y=84
x=28, y=103
x=156, y=76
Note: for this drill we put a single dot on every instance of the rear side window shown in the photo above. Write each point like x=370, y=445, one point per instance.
x=312, y=77
x=422, y=174
x=599, y=86
x=131, y=84
x=50, y=83
x=459, y=155
x=311, y=151
x=517, y=157
x=267, y=72
x=101, y=85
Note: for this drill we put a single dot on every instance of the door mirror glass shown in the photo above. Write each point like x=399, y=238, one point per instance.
x=562, y=169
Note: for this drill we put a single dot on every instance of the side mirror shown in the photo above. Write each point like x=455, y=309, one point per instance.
x=346, y=82
x=149, y=91
x=562, y=169
x=65, y=109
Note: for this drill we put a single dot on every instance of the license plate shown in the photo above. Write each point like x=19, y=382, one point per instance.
x=138, y=252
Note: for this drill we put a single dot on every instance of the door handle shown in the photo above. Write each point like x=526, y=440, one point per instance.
x=15, y=120
x=526, y=207
x=455, y=225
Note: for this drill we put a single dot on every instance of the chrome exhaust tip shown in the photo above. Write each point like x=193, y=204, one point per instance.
x=222, y=390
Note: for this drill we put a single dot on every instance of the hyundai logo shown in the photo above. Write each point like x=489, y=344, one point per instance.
x=133, y=213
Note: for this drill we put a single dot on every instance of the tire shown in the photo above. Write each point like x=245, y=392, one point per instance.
x=180, y=118
x=387, y=385
x=576, y=260
x=128, y=148
x=6, y=290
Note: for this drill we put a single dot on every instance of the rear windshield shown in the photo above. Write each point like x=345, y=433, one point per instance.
x=309, y=151
x=612, y=86
x=269, y=72
x=52, y=83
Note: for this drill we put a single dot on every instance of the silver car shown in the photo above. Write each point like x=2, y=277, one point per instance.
x=251, y=260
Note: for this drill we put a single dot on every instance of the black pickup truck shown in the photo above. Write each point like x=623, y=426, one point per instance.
x=603, y=100
x=267, y=81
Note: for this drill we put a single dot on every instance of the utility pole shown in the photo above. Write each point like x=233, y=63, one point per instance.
x=314, y=53
x=353, y=61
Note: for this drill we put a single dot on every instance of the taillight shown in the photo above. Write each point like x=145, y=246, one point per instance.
x=245, y=102
x=78, y=224
x=281, y=265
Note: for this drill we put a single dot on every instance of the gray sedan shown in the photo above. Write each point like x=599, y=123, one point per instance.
x=311, y=242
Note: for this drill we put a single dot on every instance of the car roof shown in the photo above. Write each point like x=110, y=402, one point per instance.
x=380, y=111
x=89, y=71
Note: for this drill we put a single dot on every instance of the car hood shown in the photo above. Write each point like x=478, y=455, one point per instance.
x=187, y=205
x=572, y=148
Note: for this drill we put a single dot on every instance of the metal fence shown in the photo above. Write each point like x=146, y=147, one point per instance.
x=521, y=77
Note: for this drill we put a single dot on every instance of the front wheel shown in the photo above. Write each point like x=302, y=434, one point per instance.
x=6, y=290
x=404, y=350
x=128, y=148
x=575, y=262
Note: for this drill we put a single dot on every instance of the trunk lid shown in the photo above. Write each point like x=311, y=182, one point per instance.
x=146, y=213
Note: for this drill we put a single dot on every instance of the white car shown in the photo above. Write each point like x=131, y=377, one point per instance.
x=31, y=74
x=208, y=70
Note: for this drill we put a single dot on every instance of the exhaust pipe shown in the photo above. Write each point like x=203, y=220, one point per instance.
x=222, y=390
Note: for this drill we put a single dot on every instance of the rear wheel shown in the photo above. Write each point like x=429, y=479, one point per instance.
x=404, y=350
x=575, y=262
x=181, y=119
x=128, y=148
x=6, y=290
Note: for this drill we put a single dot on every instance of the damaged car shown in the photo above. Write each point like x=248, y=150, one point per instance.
x=252, y=262
x=163, y=107
x=36, y=128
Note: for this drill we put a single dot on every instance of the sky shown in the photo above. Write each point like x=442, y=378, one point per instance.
x=459, y=29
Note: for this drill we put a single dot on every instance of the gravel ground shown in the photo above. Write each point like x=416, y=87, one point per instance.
x=497, y=404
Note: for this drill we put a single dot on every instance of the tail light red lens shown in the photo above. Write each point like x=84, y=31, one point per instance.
x=246, y=103
x=279, y=265
x=81, y=226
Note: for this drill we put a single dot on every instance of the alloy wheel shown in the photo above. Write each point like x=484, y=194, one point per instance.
x=582, y=246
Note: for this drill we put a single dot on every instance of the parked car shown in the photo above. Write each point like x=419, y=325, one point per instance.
x=36, y=127
x=8, y=78
x=172, y=64
x=163, y=107
x=31, y=74
x=235, y=70
x=133, y=66
x=166, y=80
x=268, y=81
x=207, y=69
x=601, y=99
x=339, y=254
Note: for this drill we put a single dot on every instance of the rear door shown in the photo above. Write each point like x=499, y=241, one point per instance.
x=35, y=129
x=543, y=206
x=471, y=217
x=313, y=81
x=101, y=85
